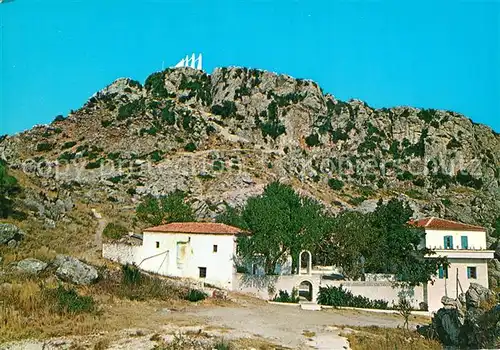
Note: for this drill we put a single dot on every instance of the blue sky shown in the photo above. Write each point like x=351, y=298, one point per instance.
x=439, y=54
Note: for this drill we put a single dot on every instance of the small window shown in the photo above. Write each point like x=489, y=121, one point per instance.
x=471, y=272
x=448, y=242
x=254, y=269
x=203, y=272
x=443, y=272
x=465, y=242
x=157, y=245
x=215, y=248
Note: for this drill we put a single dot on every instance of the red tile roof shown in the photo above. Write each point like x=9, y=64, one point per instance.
x=210, y=228
x=443, y=224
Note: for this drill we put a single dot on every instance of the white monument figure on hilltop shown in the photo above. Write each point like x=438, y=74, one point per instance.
x=193, y=62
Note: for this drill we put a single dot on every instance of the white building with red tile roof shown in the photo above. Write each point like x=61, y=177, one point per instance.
x=465, y=247
x=198, y=250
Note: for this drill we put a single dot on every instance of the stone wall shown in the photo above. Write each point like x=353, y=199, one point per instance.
x=122, y=253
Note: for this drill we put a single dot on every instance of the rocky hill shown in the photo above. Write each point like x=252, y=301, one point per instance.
x=222, y=137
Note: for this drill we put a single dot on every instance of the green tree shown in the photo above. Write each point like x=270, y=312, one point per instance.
x=347, y=243
x=398, y=247
x=379, y=242
x=281, y=221
x=164, y=209
x=9, y=188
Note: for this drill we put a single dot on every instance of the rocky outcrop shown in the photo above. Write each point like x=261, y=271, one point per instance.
x=75, y=271
x=31, y=266
x=472, y=321
x=10, y=234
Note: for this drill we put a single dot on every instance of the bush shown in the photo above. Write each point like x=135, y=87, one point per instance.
x=312, y=140
x=156, y=156
x=190, y=147
x=226, y=110
x=114, y=231
x=9, y=188
x=127, y=110
x=59, y=118
x=68, y=301
x=335, y=184
x=106, y=123
x=44, y=147
x=272, y=128
x=195, y=295
x=68, y=144
x=93, y=165
x=404, y=176
x=284, y=297
x=66, y=156
x=337, y=296
x=168, y=116
x=131, y=275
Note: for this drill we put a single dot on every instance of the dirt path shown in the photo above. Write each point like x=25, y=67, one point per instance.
x=293, y=327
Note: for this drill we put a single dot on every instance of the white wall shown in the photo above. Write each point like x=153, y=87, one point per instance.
x=121, y=253
x=198, y=252
x=434, y=239
x=449, y=286
x=259, y=286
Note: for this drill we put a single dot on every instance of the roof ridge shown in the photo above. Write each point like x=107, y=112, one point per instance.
x=463, y=223
x=429, y=221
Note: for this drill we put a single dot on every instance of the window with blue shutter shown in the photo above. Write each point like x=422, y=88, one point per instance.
x=443, y=272
x=448, y=242
x=465, y=242
x=471, y=272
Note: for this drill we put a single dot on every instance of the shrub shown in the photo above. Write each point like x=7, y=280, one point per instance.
x=404, y=176
x=312, y=140
x=195, y=295
x=69, y=301
x=337, y=296
x=66, y=156
x=127, y=110
x=156, y=84
x=465, y=179
x=131, y=275
x=44, y=147
x=226, y=110
x=190, y=147
x=156, y=156
x=218, y=165
x=68, y=144
x=168, y=116
x=93, y=165
x=420, y=182
x=454, y=143
x=106, y=123
x=427, y=114
x=59, y=118
x=335, y=184
x=284, y=297
x=339, y=134
x=114, y=231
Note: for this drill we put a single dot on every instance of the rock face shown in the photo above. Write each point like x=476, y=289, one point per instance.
x=31, y=266
x=474, y=323
x=10, y=234
x=75, y=271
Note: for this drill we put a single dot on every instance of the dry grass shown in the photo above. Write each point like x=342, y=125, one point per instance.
x=255, y=343
x=376, y=338
x=308, y=334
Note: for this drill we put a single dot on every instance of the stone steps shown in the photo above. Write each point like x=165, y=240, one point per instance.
x=310, y=306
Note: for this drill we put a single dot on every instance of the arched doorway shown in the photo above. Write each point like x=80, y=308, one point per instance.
x=305, y=262
x=306, y=290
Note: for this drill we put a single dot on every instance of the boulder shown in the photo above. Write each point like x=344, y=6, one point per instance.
x=31, y=266
x=9, y=232
x=476, y=294
x=75, y=271
x=447, y=324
